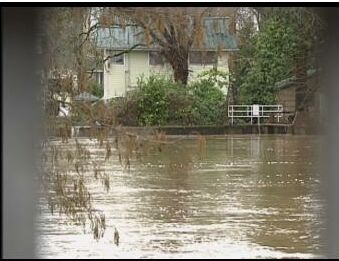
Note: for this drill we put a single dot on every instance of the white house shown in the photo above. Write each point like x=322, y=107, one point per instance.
x=120, y=73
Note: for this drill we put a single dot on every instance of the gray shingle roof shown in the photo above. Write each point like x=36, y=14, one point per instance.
x=117, y=38
x=218, y=35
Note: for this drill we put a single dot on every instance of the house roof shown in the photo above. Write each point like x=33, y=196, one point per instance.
x=117, y=38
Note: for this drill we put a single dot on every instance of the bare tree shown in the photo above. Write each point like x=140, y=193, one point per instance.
x=176, y=30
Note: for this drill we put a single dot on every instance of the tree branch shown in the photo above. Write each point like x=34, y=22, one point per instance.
x=111, y=56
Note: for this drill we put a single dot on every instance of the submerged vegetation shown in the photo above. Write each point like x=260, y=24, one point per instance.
x=65, y=172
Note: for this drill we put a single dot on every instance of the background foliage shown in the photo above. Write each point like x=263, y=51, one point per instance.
x=273, y=51
x=283, y=43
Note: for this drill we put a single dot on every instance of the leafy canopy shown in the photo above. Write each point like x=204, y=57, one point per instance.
x=274, y=50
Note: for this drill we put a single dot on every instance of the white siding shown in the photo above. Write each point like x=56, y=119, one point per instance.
x=223, y=66
x=138, y=65
x=114, y=79
x=223, y=62
x=196, y=69
x=120, y=78
x=165, y=70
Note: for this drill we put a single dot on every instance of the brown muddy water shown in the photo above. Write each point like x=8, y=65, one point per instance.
x=245, y=197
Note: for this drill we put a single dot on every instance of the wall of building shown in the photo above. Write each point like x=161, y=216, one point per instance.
x=121, y=78
x=223, y=65
x=138, y=64
x=195, y=69
x=313, y=113
x=286, y=97
x=165, y=70
x=115, y=78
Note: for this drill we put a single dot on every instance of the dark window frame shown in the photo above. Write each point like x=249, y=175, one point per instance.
x=203, y=57
x=155, y=58
x=99, y=78
x=115, y=59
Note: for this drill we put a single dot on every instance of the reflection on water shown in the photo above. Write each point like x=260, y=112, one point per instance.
x=250, y=196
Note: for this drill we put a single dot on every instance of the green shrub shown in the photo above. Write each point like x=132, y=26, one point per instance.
x=275, y=49
x=180, y=107
x=96, y=89
x=126, y=109
x=217, y=78
x=153, y=102
x=208, y=103
x=161, y=101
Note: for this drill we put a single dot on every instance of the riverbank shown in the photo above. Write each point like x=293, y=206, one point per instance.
x=85, y=131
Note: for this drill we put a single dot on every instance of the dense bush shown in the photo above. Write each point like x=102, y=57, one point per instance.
x=153, y=101
x=126, y=109
x=273, y=54
x=219, y=79
x=166, y=102
x=180, y=104
x=161, y=101
x=96, y=89
x=208, y=103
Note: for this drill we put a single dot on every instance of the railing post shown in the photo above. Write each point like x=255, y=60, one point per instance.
x=279, y=109
x=232, y=114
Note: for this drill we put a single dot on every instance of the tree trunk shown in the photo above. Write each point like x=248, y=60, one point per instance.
x=301, y=86
x=231, y=93
x=178, y=59
x=181, y=71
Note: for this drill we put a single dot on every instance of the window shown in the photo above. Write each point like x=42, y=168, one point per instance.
x=203, y=57
x=99, y=78
x=118, y=59
x=155, y=58
x=96, y=77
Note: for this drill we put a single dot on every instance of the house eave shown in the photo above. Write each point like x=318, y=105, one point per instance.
x=157, y=49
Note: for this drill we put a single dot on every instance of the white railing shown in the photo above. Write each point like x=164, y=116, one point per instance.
x=254, y=111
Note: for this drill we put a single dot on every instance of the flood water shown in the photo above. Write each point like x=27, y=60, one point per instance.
x=246, y=197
